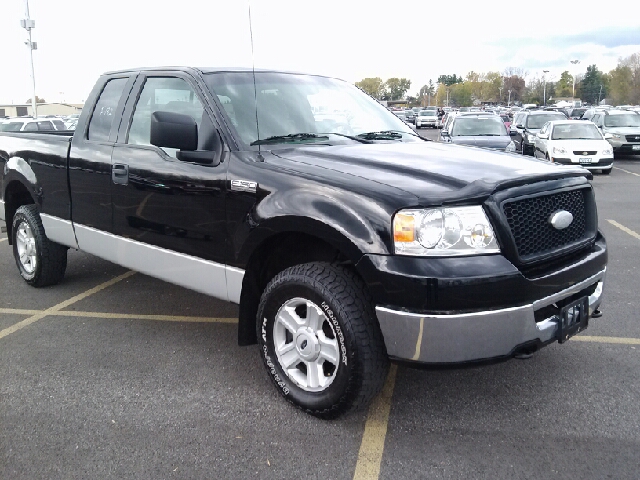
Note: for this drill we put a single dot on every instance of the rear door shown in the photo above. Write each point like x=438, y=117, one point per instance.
x=90, y=157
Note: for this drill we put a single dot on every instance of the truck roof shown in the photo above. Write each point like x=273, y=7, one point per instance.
x=209, y=70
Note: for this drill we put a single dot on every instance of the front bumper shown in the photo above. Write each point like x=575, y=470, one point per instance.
x=598, y=162
x=447, y=311
x=479, y=336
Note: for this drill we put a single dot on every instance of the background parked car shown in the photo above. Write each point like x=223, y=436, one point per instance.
x=427, y=118
x=487, y=131
x=527, y=124
x=622, y=127
x=574, y=142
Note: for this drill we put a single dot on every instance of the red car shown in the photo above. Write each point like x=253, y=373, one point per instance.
x=507, y=121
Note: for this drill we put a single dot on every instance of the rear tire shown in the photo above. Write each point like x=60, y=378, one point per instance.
x=320, y=339
x=40, y=261
x=606, y=172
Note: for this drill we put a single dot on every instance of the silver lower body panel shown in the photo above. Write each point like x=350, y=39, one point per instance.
x=468, y=337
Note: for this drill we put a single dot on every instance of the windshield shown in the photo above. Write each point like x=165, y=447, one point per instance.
x=537, y=121
x=11, y=126
x=290, y=104
x=429, y=113
x=630, y=120
x=480, y=126
x=573, y=131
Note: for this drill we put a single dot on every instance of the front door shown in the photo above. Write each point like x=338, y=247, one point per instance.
x=170, y=214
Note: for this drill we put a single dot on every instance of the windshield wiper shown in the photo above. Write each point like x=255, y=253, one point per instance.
x=351, y=137
x=293, y=137
x=382, y=135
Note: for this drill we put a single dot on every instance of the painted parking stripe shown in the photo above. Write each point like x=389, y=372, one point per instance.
x=125, y=316
x=624, y=229
x=619, y=340
x=56, y=308
x=375, y=432
x=627, y=171
x=3, y=239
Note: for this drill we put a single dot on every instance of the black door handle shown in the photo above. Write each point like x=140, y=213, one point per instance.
x=120, y=174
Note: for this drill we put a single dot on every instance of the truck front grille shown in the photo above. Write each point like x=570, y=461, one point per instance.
x=530, y=226
x=585, y=152
x=633, y=138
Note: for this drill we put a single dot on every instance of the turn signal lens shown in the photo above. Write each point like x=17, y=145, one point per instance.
x=404, y=228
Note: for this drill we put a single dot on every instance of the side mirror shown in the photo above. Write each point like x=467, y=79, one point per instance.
x=174, y=130
x=513, y=133
x=520, y=126
x=542, y=135
x=444, y=133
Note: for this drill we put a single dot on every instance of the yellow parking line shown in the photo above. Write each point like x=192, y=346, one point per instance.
x=624, y=229
x=126, y=316
x=627, y=171
x=2, y=239
x=620, y=340
x=49, y=311
x=375, y=432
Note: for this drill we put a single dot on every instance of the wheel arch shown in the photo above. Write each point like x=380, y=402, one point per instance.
x=16, y=194
x=282, y=250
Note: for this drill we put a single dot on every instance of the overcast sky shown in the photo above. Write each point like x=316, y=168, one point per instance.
x=350, y=39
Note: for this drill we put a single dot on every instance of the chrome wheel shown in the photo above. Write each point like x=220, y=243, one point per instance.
x=26, y=245
x=306, y=345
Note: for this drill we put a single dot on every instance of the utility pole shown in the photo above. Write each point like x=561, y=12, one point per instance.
x=574, y=62
x=500, y=99
x=509, y=102
x=29, y=25
x=447, y=97
x=544, y=94
x=599, y=94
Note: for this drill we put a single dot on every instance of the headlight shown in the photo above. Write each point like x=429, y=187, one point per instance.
x=531, y=137
x=443, y=232
x=616, y=135
x=607, y=151
x=560, y=150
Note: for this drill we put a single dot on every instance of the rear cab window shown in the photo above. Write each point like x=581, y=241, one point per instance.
x=103, y=114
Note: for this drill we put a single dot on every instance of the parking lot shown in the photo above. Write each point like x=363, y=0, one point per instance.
x=113, y=374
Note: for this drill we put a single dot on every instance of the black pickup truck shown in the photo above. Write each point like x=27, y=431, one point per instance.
x=346, y=239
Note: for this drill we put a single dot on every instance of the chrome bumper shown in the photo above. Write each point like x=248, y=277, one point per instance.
x=467, y=337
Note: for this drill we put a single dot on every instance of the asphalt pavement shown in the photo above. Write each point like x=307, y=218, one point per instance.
x=113, y=374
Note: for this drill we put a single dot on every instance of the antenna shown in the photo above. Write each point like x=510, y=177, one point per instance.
x=253, y=70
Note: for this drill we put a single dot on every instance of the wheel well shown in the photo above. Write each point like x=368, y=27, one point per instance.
x=271, y=257
x=15, y=196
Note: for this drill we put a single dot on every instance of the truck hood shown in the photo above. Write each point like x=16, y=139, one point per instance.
x=435, y=173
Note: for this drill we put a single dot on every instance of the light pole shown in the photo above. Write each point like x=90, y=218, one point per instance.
x=29, y=25
x=447, y=97
x=574, y=62
x=544, y=91
x=509, y=102
x=500, y=99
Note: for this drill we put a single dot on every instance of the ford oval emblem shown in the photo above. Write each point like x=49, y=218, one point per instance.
x=561, y=219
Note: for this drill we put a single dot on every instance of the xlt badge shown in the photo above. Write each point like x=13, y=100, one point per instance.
x=243, y=186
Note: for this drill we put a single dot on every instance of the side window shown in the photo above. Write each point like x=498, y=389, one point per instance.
x=103, y=114
x=45, y=125
x=167, y=94
x=31, y=127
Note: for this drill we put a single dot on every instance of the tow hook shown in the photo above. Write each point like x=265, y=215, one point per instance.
x=596, y=313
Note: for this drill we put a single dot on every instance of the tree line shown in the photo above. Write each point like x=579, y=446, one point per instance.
x=621, y=86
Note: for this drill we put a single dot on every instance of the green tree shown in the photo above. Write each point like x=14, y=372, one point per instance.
x=38, y=100
x=516, y=84
x=397, y=87
x=460, y=94
x=373, y=86
x=621, y=85
x=449, y=79
x=592, y=86
x=564, y=88
x=633, y=63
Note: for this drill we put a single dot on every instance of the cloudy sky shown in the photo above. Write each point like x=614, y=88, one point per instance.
x=350, y=39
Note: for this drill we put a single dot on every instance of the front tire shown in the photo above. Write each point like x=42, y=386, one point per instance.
x=320, y=340
x=40, y=261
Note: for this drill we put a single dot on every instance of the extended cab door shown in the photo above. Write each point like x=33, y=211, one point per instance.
x=170, y=214
x=90, y=157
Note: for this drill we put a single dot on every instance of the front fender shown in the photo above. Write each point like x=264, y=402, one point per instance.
x=352, y=223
